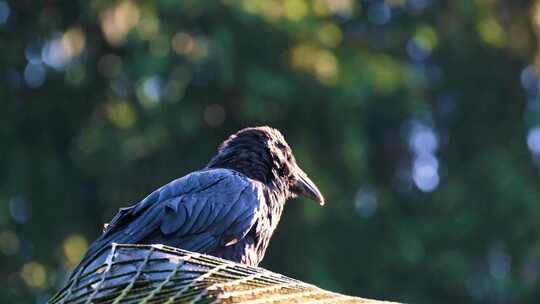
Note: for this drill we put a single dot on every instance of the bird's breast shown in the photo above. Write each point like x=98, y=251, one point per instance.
x=252, y=247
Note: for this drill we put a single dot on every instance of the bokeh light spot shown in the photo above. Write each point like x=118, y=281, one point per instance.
x=319, y=62
x=422, y=43
x=533, y=140
x=183, y=43
x=34, y=274
x=366, y=203
x=19, y=209
x=425, y=173
x=326, y=67
x=57, y=52
x=302, y=56
x=330, y=34
x=385, y=74
x=74, y=248
x=272, y=10
x=9, y=242
x=118, y=20
x=295, y=9
x=379, y=13
x=32, y=52
x=423, y=140
x=416, y=51
x=426, y=37
x=418, y=6
x=214, y=115
x=499, y=262
x=341, y=8
x=74, y=41
x=491, y=32
x=152, y=88
x=529, y=78
x=121, y=114
x=4, y=12
x=34, y=74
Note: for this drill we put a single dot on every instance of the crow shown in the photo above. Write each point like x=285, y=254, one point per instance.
x=228, y=209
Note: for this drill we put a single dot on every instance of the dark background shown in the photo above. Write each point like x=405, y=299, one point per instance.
x=418, y=119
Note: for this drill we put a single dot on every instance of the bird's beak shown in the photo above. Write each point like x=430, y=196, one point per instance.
x=307, y=188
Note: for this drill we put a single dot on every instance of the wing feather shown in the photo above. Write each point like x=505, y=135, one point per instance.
x=198, y=212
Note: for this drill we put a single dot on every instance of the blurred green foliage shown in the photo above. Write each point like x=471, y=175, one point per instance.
x=417, y=119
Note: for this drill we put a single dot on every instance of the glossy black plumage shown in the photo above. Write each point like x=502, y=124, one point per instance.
x=228, y=209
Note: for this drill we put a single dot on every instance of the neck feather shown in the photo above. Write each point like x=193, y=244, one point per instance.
x=254, y=162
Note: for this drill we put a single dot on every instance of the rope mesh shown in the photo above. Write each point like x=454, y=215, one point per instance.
x=159, y=274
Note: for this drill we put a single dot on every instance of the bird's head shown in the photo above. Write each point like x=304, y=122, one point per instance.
x=262, y=153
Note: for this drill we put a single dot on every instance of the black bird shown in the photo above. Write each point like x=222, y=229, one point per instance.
x=228, y=209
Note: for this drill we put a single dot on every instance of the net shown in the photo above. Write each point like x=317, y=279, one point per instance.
x=160, y=274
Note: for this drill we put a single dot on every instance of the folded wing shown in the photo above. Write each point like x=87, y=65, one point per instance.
x=199, y=212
